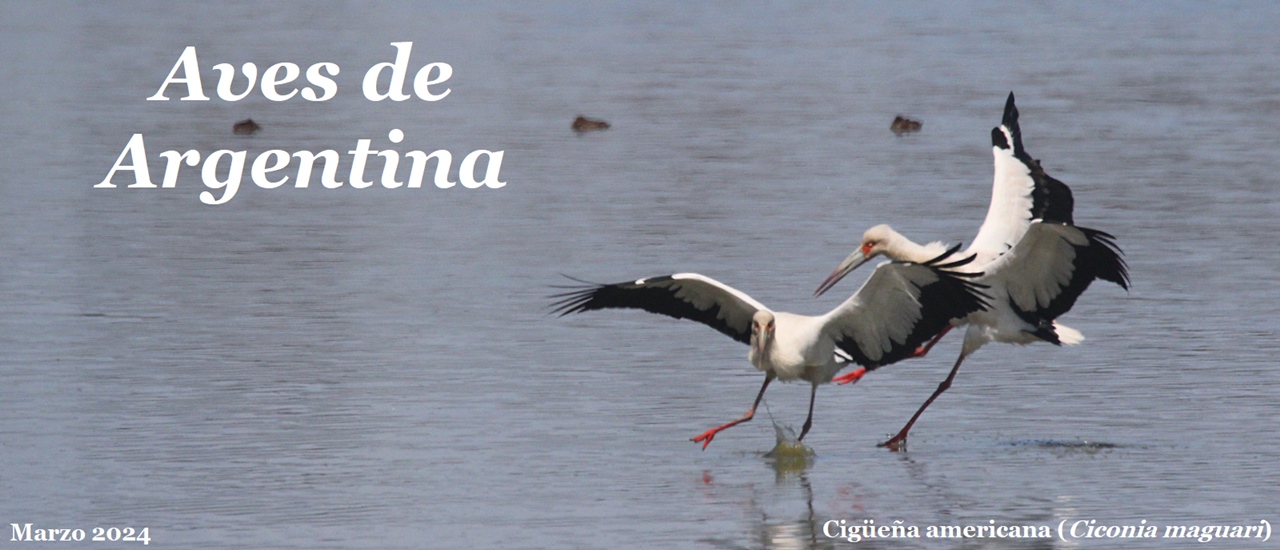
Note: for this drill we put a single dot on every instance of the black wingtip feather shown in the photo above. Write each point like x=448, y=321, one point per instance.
x=934, y=261
x=958, y=263
x=1108, y=257
x=646, y=294
x=571, y=302
x=1010, y=112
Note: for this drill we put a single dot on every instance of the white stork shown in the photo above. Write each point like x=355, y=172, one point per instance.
x=1035, y=261
x=900, y=307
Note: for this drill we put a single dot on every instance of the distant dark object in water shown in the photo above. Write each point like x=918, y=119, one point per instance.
x=245, y=127
x=1079, y=444
x=902, y=125
x=584, y=124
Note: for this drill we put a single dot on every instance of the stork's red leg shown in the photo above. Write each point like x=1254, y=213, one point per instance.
x=899, y=442
x=708, y=435
x=921, y=351
x=851, y=377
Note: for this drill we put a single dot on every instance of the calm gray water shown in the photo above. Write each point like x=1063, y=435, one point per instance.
x=315, y=368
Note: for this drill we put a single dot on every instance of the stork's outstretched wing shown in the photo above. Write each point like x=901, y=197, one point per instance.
x=900, y=307
x=683, y=296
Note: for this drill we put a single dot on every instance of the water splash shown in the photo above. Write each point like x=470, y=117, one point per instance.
x=789, y=454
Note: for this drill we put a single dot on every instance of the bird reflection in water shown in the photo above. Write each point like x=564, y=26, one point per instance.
x=766, y=527
x=804, y=532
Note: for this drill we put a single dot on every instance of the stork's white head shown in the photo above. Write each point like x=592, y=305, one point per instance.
x=878, y=240
x=762, y=327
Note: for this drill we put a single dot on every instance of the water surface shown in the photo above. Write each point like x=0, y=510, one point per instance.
x=376, y=368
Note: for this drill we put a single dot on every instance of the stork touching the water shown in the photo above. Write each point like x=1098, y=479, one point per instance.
x=1032, y=257
x=900, y=307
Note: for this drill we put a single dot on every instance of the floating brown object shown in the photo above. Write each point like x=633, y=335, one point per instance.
x=902, y=125
x=245, y=127
x=584, y=124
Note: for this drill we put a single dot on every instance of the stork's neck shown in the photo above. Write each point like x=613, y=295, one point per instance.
x=900, y=248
